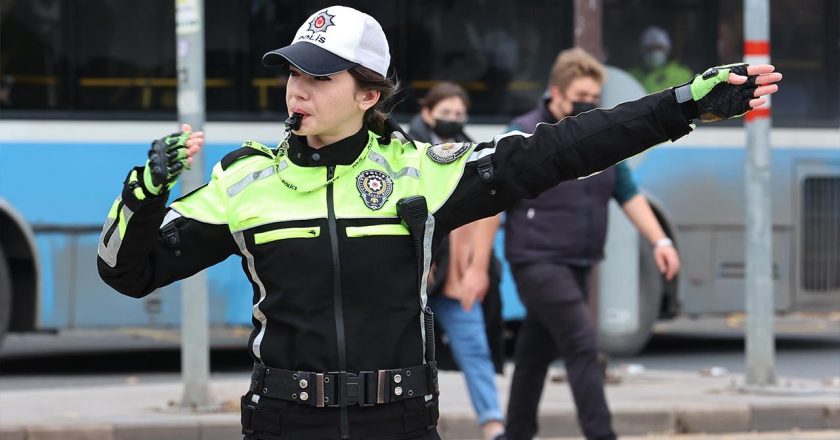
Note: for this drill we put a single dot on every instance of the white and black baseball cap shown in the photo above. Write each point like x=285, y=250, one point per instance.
x=333, y=40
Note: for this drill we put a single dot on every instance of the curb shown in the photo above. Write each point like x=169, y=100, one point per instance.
x=727, y=418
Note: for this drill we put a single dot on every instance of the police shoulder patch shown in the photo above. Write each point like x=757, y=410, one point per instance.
x=448, y=152
x=374, y=187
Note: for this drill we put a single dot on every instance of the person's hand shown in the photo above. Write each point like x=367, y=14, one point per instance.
x=195, y=142
x=168, y=157
x=729, y=91
x=474, y=285
x=667, y=260
x=452, y=287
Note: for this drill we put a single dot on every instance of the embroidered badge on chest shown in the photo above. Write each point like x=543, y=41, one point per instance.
x=374, y=187
x=448, y=152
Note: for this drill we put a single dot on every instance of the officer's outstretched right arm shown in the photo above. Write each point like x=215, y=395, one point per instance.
x=497, y=174
x=145, y=245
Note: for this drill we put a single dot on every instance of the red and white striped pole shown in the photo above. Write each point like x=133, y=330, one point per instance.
x=756, y=51
x=760, y=343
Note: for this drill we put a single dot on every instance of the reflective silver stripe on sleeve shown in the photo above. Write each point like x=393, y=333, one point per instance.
x=109, y=253
x=250, y=178
x=478, y=154
x=239, y=237
x=427, y=263
x=405, y=171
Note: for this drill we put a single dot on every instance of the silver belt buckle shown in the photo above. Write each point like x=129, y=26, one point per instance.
x=319, y=390
x=381, y=383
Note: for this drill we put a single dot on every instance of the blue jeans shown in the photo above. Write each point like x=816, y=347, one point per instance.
x=468, y=341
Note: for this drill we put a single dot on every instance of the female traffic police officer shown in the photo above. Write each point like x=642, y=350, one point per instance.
x=333, y=233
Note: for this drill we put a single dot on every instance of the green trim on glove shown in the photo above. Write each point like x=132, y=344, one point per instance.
x=701, y=85
x=134, y=184
x=716, y=98
x=167, y=159
x=148, y=182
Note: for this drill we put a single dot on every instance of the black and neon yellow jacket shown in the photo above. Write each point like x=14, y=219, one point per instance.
x=333, y=269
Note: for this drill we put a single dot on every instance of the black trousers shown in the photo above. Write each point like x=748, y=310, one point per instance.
x=558, y=322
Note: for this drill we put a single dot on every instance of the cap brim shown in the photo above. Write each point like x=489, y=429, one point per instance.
x=309, y=58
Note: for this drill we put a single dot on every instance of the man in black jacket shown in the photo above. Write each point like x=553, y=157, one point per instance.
x=551, y=242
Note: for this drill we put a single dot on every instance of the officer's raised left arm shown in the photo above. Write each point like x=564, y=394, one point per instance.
x=143, y=244
x=516, y=166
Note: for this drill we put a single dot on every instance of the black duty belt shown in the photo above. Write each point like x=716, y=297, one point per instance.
x=341, y=389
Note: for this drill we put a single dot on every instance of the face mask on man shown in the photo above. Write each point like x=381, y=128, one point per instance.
x=580, y=107
x=655, y=58
x=448, y=129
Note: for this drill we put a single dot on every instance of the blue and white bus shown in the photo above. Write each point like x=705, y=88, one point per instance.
x=86, y=84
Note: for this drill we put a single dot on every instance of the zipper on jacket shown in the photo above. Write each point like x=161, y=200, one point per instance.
x=338, y=308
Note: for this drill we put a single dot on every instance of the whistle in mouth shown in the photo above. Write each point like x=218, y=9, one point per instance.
x=293, y=122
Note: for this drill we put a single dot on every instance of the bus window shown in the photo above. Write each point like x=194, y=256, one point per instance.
x=31, y=49
x=660, y=42
x=500, y=53
x=115, y=58
x=228, y=69
x=124, y=55
x=804, y=45
x=697, y=33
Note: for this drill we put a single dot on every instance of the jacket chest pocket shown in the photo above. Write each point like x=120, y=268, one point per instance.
x=286, y=233
x=376, y=230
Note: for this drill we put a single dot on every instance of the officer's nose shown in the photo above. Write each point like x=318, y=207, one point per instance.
x=298, y=95
x=296, y=91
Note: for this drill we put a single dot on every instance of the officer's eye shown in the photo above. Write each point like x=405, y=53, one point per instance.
x=322, y=78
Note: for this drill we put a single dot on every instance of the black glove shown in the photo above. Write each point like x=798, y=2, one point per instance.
x=167, y=159
x=714, y=98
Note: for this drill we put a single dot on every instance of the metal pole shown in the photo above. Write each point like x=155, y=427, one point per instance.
x=588, y=19
x=195, y=345
x=588, y=27
x=760, y=344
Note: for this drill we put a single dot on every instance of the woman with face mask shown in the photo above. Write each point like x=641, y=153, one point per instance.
x=336, y=225
x=443, y=113
x=465, y=272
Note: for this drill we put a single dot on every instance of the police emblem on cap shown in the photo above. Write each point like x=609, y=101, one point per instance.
x=374, y=187
x=448, y=152
x=321, y=22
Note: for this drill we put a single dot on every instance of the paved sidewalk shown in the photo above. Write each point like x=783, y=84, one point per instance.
x=659, y=402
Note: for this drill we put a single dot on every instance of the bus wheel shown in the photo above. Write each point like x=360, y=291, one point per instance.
x=651, y=289
x=5, y=296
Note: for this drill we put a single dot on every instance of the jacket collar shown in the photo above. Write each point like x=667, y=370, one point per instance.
x=546, y=113
x=343, y=152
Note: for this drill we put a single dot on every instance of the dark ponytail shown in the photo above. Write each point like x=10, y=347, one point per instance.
x=367, y=79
